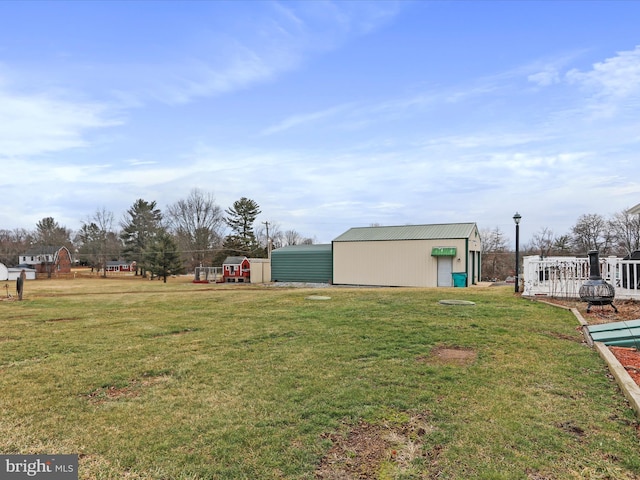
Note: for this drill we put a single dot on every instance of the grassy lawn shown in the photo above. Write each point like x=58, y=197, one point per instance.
x=182, y=381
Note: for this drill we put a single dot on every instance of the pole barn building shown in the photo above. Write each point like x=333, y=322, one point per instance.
x=302, y=263
x=443, y=255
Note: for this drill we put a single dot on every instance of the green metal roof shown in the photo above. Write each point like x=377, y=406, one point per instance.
x=317, y=247
x=408, y=232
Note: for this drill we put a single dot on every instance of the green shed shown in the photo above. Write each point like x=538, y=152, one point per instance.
x=302, y=263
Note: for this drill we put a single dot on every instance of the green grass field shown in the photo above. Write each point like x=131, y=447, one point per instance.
x=146, y=380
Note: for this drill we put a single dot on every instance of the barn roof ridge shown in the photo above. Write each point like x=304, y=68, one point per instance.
x=310, y=247
x=408, y=232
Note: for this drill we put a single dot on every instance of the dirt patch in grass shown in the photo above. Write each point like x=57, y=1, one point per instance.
x=572, y=428
x=68, y=319
x=450, y=356
x=370, y=450
x=133, y=389
x=173, y=332
x=358, y=455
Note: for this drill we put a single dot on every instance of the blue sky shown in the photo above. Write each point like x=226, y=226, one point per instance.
x=329, y=115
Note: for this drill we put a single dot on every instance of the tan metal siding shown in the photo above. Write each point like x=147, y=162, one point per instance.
x=260, y=270
x=392, y=263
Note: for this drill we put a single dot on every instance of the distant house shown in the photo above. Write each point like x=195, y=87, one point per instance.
x=236, y=269
x=53, y=260
x=121, y=266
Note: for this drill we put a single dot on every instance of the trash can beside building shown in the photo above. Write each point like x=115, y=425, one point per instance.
x=459, y=279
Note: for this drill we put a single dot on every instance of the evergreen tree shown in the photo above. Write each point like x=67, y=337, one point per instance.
x=241, y=217
x=163, y=258
x=50, y=234
x=139, y=228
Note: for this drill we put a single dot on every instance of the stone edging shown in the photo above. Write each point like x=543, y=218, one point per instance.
x=629, y=387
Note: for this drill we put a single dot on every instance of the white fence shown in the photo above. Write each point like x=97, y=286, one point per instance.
x=207, y=274
x=562, y=277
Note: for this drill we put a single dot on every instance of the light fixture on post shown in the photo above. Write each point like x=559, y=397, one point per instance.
x=516, y=219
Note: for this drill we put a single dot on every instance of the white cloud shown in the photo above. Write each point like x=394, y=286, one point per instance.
x=305, y=118
x=545, y=78
x=273, y=43
x=612, y=86
x=547, y=71
x=41, y=123
x=616, y=77
x=136, y=162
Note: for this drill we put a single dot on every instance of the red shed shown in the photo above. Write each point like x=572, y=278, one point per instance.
x=236, y=269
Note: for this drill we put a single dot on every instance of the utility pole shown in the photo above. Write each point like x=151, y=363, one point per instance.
x=268, y=240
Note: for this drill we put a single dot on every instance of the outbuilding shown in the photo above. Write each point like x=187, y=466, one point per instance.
x=15, y=272
x=302, y=263
x=236, y=269
x=260, y=270
x=4, y=272
x=436, y=255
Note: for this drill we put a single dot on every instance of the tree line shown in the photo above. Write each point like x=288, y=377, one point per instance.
x=617, y=235
x=192, y=232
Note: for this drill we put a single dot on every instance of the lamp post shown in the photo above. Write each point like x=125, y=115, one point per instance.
x=516, y=219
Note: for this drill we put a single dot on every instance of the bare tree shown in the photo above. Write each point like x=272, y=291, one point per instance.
x=89, y=241
x=542, y=242
x=291, y=237
x=275, y=236
x=198, y=223
x=106, y=239
x=496, y=258
x=12, y=244
x=591, y=233
x=625, y=228
x=562, y=245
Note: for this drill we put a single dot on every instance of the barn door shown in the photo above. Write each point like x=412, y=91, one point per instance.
x=445, y=270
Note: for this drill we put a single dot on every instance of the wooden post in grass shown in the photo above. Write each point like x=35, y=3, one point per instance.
x=20, y=284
